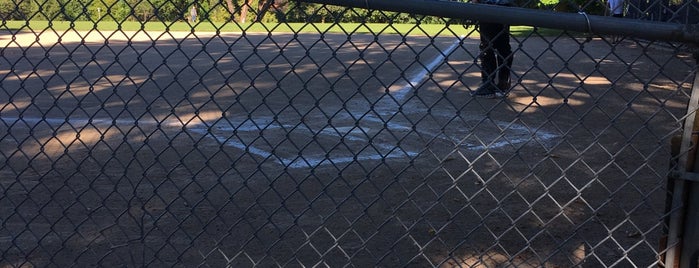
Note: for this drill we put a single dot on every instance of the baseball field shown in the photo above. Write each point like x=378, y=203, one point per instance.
x=189, y=148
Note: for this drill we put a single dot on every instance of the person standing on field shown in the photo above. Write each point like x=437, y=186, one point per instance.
x=193, y=14
x=617, y=8
x=496, y=56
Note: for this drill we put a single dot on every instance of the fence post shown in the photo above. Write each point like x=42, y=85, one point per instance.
x=682, y=249
x=689, y=256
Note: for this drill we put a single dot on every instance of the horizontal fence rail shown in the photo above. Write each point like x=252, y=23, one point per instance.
x=579, y=22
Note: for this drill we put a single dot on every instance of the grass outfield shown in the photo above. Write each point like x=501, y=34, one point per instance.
x=405, y=29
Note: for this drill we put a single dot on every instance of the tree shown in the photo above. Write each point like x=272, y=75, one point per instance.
x=72, y=10
x=231, y=8
x=244, y=11
x=44, y=10
x=11, y=10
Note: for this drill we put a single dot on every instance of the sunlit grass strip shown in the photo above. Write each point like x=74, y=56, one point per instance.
x=383, y=28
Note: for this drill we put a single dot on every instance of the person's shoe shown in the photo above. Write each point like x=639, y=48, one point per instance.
x=503, y=89
x=485, y=90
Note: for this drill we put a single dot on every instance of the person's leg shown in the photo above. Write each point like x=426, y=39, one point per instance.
x=505, y=57
x=488, y=61
x=489, y=64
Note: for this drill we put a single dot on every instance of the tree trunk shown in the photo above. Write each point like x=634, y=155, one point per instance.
x=231, y=9
x=244, y=11
x=263, y=7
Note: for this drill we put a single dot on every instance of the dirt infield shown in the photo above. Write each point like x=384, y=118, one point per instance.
x=182, y=149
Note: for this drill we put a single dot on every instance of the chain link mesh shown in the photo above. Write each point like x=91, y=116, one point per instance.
x=327, y=142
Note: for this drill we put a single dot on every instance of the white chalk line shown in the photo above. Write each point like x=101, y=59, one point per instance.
x=355, y=133
x=202, y=127
x=541, y=134
x=422, y=75
x=309, y=162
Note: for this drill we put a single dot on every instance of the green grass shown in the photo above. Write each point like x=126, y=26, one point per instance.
x=406, y=29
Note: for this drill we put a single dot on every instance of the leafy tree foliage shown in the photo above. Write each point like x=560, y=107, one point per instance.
x=177, y=10
x=228, y=10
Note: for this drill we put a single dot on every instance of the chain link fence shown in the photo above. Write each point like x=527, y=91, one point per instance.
x=684, y=12
x=315, y=135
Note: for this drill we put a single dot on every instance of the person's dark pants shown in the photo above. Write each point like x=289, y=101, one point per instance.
x=496, y=54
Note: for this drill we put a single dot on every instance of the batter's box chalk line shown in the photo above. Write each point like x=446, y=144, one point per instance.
x=352, y=135
x=243, y=133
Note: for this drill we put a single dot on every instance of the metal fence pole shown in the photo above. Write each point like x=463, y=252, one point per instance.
x=686, y=225
x=579, y=22
x=690, y=249
x=683, y=226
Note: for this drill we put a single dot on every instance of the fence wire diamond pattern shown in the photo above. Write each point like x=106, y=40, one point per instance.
x=354, y=145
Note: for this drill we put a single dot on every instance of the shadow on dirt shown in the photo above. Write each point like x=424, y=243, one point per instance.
x=296, y=150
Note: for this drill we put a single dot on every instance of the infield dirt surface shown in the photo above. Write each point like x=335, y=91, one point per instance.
x=131, y=149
